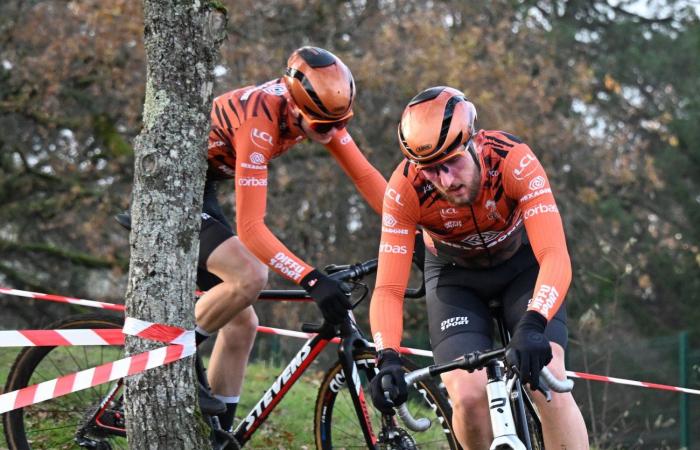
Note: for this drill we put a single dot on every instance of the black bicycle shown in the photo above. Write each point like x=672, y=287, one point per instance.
x=94, y=418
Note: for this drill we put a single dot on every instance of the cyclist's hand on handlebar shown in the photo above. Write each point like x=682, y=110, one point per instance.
x=329, y=294
x=529, y=348
x=390, y=380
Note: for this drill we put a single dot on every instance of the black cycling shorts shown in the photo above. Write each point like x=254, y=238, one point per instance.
x=211, y=235
x=459, y=317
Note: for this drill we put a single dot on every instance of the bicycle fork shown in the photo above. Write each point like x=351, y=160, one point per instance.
x=502, y=423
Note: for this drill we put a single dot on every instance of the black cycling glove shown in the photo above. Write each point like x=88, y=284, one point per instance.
x=529, y=348
x=389, y=379
x=329, y=295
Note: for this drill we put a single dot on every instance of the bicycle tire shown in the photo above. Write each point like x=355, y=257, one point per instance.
x=335, y=420
x=534, y=426
x=46, y=425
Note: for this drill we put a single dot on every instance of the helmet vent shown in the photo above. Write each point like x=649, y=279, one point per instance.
x=316, y=57
x=426, y=95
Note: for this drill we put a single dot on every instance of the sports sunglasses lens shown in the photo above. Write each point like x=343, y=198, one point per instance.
x=323, y=128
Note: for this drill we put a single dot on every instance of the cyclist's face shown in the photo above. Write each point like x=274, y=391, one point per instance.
x=458, y=178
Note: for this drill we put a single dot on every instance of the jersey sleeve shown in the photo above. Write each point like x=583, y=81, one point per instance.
x=400, y=216
x=526, y=182
x=254, y=142
x=367, y=179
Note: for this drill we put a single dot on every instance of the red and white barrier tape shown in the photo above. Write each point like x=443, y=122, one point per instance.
x=62, y=299
x=665, y=387
x=97, y=337
x=182, y=344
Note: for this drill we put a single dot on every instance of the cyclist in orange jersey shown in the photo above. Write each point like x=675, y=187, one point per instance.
x=251, y=126
x=492, y=230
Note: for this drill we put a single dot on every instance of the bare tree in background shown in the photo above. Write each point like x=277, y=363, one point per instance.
x=181, y=40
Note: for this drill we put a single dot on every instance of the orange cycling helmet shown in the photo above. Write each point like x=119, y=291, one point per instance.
x=435, y=123
x=321, y=86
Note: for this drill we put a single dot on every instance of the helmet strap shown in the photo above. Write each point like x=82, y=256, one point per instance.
x=472, y=151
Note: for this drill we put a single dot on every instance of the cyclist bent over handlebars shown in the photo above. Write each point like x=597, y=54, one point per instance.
x=493, y=231
x=251, y=126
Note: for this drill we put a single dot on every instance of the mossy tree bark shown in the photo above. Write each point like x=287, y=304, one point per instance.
x=181, y=41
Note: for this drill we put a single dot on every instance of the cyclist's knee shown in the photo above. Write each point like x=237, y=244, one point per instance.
x=467, y=392
x=471, y=401
x=251, y=280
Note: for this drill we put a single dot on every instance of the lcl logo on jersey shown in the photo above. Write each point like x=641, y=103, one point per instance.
x=262, y=139
x=524, y=170
x=345, y=139
x=448, y=212
x=393, y=195
x=537, y=183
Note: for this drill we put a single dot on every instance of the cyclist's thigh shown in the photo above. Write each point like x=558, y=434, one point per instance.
x=516, y=297
x=224, y=256
x=459, y=321
x=211, y=235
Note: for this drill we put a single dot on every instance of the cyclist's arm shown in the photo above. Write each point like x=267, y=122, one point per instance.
x=544, y=228
x=395, y=254
x=367, y=179
x=251, y=203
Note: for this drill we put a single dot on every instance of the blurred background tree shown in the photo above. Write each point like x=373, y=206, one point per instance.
x=607, y=93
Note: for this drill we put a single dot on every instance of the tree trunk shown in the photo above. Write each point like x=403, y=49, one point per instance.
x=181, y=41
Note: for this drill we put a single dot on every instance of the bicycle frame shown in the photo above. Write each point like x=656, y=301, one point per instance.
x=351, y=340
x=521, y=400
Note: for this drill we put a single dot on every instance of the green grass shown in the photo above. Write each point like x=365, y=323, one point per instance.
x=289, y=426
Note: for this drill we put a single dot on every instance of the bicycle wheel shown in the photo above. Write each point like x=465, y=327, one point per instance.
x=336, y=424
x=55, y=424
x=534, y=426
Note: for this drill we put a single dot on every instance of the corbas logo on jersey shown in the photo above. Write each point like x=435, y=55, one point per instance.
x=525, y=170
x=252, y=182
x=261, y=139
x=540, y=209
x=385, y=247
x=258, y=160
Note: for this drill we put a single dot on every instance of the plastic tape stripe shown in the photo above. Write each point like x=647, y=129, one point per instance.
x=36, y=338
x=92, y=377
x=62, y=299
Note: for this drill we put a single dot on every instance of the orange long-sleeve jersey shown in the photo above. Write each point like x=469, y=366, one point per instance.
x=251, y=126
x=515, y=202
